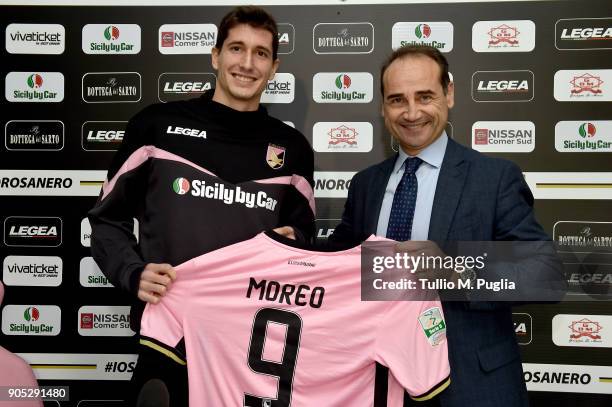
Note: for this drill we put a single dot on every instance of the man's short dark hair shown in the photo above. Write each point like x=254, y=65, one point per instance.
x=418, y=50
x=254, y=16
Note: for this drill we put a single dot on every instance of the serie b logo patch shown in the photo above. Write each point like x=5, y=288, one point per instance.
x=433, y=326
x=275, y=156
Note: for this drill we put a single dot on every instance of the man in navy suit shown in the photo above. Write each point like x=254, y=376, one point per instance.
x=456, y=194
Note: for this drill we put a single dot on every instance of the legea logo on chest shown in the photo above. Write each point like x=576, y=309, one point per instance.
x=185, y=131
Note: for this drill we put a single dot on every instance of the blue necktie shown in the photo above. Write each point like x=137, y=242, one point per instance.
x=404, y=202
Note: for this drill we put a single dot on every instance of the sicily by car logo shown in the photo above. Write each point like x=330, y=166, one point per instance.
x=180, y=186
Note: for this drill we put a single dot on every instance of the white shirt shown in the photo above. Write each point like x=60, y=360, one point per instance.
x=427, y=178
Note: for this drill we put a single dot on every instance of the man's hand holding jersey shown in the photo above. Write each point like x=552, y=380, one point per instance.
x=155, y=281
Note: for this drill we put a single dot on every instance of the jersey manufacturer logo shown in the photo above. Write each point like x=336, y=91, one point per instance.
x=185, y=131
x=275, y=156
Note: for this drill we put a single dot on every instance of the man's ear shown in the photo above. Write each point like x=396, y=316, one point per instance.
x=450, y=95
x=274, y=68
x=215, y=58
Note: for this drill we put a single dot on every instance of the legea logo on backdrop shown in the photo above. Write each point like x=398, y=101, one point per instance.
x=105, y=39
x=286, y=38
x=36, y=271
x=187, y=38
x=34, y=87
x=102, y=136
x=343, y=38
x=438, y=34
x=582, y=136
x=325, y=227
x=503, y=86
x=32, y=231
x=583, y=33
x=47, y=39
x=342, y=137
x=34, y=135
x=111, y=87
x=104, y=321
x=332, y=184
x=339, y=87
x=183, y=85
x=31, y=320
x=503, y=36
x=503, y=137
x=522, y=327
x=281, y=89
x=587, y=85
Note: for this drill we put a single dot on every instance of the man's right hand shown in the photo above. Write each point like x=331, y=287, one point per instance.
x=155, y=281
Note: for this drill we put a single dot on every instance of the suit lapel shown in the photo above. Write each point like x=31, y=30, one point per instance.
x=448, y=191
x=377, y=193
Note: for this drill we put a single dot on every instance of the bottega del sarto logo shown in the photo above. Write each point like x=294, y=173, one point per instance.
x=229, y=195
x=32, y=231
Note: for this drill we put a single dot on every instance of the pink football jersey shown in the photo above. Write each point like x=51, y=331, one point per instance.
x=269, y=325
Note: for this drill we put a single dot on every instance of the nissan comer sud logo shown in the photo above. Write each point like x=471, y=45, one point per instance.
x=22, y=231
x=34, y=135
x=583, y=33
x=503, y=137
x=187, y=38
x=502, y=86
x=104, y=321
x=111, y=39
x=34, y=87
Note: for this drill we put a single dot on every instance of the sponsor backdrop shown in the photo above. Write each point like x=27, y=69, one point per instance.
x=533, y=85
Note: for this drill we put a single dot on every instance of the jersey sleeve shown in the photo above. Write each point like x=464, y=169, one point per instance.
x=411, y=342
x=161, y=327
x=298, y=207
x=113, y=244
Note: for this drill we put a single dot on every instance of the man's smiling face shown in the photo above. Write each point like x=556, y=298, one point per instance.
x=415, y=106
x=244, y=66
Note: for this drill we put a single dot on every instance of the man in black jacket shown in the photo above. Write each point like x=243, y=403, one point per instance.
x=202, y=174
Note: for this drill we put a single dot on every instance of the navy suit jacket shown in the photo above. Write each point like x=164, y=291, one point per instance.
x=477, y=198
